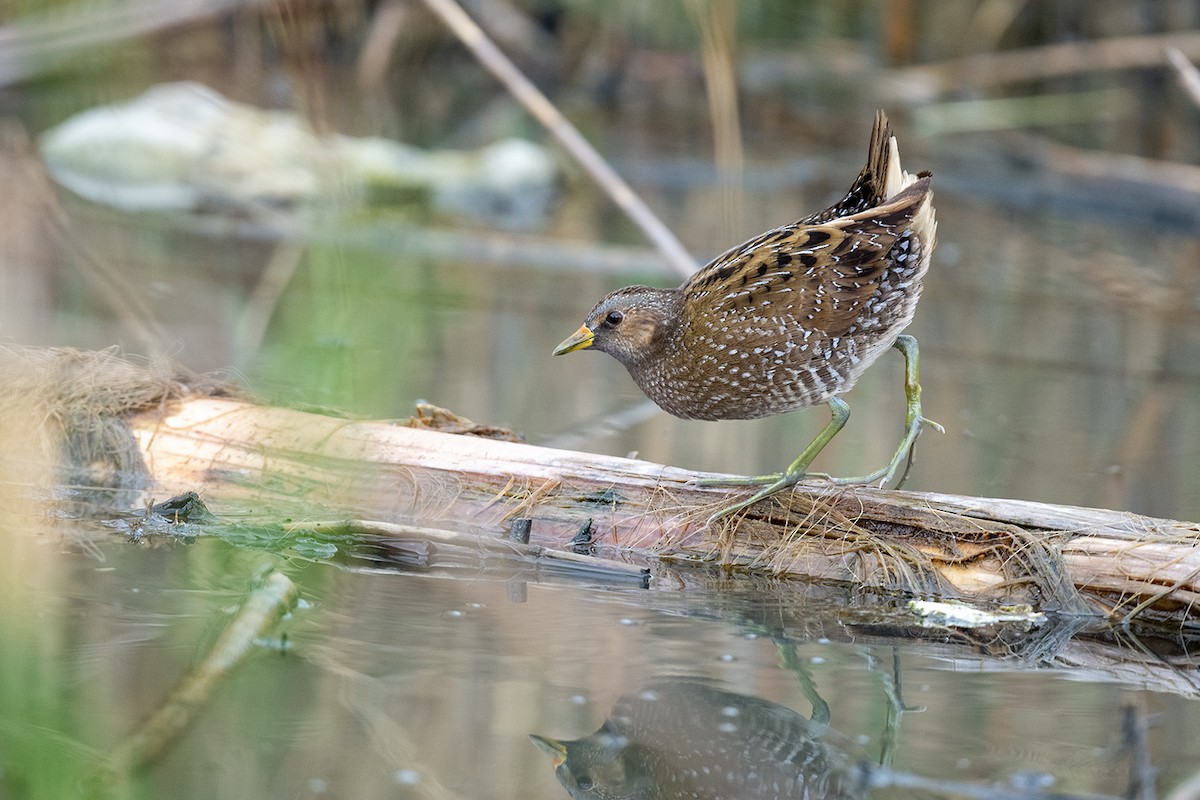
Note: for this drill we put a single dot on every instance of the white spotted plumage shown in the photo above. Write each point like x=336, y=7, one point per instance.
x=791, y=317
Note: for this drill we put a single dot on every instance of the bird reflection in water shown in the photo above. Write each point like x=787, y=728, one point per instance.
x=682, y=738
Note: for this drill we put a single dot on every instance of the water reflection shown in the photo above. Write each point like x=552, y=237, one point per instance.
x=426, y=683
x=682, y=738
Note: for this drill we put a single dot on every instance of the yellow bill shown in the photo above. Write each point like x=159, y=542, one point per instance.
x=576, y=341
x=556, y=749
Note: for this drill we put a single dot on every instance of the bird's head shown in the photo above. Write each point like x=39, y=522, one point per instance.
x=629, y=324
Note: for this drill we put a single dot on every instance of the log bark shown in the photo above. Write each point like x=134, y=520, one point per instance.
x=1057, y=558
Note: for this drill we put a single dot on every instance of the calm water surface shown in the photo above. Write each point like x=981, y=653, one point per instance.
x=426, y=684
x=1060, y=352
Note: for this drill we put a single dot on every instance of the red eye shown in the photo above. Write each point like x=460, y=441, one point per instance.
x=614, y=318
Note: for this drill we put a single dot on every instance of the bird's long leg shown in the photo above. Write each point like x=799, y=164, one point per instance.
x=913, y=421
x=839, y=413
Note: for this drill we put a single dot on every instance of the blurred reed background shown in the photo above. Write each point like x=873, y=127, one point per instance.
x=1060, y=336
x=1059, y=325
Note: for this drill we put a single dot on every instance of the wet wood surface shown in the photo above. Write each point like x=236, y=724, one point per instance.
x=1059, y=558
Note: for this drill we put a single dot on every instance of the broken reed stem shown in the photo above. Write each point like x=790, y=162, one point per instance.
x=265, y=606
x=529, y=96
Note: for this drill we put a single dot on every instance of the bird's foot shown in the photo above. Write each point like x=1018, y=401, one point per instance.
x=903, y=455
x=797, y=471
x=756, y=480
x=775, y=483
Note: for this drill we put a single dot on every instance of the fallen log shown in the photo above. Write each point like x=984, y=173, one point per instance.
x=998, y=551
x=182, y=436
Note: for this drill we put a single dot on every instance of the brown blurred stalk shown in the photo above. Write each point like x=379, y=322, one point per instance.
x=717, y=22
x=544, y=111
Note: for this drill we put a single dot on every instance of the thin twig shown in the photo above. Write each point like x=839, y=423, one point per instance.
x=264, y=298
x=1189, y=76
x=610, y=424
x=1188, y=790
x=1053, y=60
x=544, y=111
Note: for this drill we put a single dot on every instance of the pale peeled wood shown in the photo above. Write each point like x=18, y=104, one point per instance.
x=231, y=450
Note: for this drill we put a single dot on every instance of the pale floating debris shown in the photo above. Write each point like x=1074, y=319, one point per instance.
x=407, y=777
x=955, y=614
x=185, y=147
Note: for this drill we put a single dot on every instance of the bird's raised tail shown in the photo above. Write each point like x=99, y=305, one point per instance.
x=880, y=180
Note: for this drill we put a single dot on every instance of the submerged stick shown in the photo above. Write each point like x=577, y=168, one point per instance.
x=486, y=547
x=266, y=605
x=537, y=104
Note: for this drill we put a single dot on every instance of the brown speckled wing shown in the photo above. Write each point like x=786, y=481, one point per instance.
x=781, y=274
x=816, y=277
x=798, y=312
